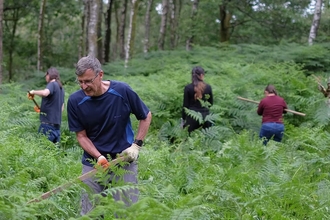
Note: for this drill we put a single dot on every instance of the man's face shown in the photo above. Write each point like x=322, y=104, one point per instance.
x=90, y=82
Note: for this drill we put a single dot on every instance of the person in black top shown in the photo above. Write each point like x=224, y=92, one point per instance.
x=52, y=105
x=197, y=97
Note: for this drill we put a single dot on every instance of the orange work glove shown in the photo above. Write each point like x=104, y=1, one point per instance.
x=102, y=161
x=36, y=109
x=30, y=96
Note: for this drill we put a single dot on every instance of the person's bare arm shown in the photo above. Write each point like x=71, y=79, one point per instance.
x=87, y=144
x=42, y=93
x=143, y=127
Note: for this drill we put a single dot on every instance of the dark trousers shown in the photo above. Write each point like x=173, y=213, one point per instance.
x=192, y=124
x=128, y=196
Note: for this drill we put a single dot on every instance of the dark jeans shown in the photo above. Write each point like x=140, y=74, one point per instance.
x=52, y=132
x=271, y=129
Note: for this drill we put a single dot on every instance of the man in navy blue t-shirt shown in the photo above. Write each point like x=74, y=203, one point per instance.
x=99, y=114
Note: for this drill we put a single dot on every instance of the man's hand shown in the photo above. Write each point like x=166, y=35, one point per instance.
x=102, y=161
x=131, y=153
x=36, y=109
x=30, y=95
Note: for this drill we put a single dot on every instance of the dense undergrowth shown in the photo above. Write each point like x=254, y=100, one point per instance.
x=223, y=172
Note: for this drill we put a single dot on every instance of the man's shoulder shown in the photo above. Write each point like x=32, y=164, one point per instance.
x=76, y=95
x=118, y=84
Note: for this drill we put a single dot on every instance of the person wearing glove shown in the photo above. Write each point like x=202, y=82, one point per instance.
x=52, y=105
x=99, y=113
x=36, y=109
x=30, y=96
x=132, y=152
x=102, y=161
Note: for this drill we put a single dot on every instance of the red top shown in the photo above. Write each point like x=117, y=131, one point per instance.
x=272, y=108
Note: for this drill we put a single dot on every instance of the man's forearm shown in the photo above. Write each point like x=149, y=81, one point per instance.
x=143, y=127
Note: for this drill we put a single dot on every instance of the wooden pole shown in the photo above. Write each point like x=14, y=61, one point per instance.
x=287, y=110
x=67, y=185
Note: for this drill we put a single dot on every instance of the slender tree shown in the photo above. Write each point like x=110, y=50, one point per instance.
x=225, y=17
x=1, y=48
x=147, y=27
x=190, y=39
x=316, y=22
x=131, y=31
x=14, y=18
x=172, y=24
x=84, y=27
x=40, y=34
x=92, y=28
x=162, y=31
x=99, y=41
x=122, y=25
x=107, y=39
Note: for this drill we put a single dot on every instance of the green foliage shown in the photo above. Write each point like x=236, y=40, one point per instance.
x=223, y=172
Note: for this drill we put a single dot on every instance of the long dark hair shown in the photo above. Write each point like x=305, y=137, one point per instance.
x=53, y=74
x=199, y=85
x=270, y=89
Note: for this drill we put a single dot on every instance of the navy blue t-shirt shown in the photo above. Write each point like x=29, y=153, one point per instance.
x=106, y=118
x=51, y=105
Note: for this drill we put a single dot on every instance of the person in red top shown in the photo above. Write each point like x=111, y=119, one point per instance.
x=271, y=107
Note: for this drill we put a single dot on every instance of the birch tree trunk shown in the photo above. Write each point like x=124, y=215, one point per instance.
x=107, y=40
x=131, y=31
x=40, y=34
x=92, y=28
x=190, y=39
x=122, y=30
x=162, y=31
x=316, y=22
x=1, y=46
x=147, y=27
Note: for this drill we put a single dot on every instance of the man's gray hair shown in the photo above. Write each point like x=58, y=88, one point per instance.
x=88, y=62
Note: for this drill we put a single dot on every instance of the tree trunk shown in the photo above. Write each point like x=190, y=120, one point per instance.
x=190, y=39
x=177, y=19
x=1, y=48
x=162, y=31
x=122, y=30
x=316, y=22
x=107, y=40
x=40, y=34
x=147, y=27
x=115, y=45
x=100, y=49
x=92, y=28
x=225, y=18
x=12, y=43
x=172, y=25
x=131, y=31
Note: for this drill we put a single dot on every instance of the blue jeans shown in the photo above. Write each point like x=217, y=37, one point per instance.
x=271, y=130
x=53, y=133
